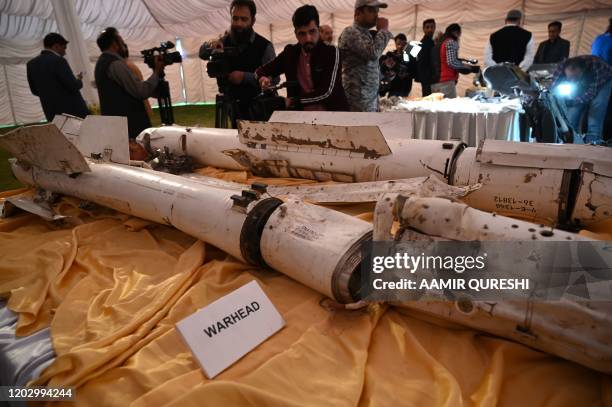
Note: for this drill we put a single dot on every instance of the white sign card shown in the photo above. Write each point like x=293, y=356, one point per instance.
x=229, y=328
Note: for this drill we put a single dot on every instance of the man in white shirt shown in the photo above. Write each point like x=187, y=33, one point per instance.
x=512, y=43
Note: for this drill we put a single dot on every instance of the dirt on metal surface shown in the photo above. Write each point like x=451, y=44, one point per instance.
x=372, y=191
x=44, y=146
x=366, y=140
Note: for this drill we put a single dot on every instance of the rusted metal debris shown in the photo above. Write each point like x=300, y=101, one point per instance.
x=365, y=140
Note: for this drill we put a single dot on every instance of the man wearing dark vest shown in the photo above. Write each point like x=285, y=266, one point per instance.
x=512, y=43
x=121, y=92
x=253, y=52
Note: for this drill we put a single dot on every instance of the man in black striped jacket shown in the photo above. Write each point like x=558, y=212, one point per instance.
x=311, y=63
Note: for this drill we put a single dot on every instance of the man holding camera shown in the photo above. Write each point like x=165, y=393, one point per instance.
x=584, y=85
x=252, y=51
x=121, y=92
x=396, y=74
x=314, y=65
x=360, y=50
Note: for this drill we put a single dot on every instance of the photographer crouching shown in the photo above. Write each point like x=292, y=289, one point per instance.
x=314, y=65
x=233, y=60
x=121, y=92
x=583, y=85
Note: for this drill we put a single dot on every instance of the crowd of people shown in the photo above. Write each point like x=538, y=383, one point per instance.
x=348, y=77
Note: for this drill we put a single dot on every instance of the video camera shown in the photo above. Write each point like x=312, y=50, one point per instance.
x=164, y=101
x=168, y=57
x=268, y=101
x=545, y=115
x=218, y=59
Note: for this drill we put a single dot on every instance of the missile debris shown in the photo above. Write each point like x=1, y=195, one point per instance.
x=318, y=246
x=579, y=330
x=544, y=183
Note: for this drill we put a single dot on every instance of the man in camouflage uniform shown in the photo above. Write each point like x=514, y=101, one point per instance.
x=360, y=50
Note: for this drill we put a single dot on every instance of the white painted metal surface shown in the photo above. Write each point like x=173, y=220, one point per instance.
x=393, y=125
x=574, y=329
x=203, y=212
x=28, y=203
x=45, y=146
x=205, y=145
x=333, y=246
x=409, y=158
x=321, y=247
x=315, y=245
x=579, y=331
x=594, y=199
x=536, y=182
x=597, y=159
x=545, y=183
x=371, y=191
x=366, y=140
x=528, y=193
x=105, y=137
x=69, y=125
x=444, y=218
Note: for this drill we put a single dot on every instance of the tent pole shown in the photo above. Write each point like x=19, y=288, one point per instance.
x=577, y=48
x=416, y=21
x=203, y=86
x=332, y=23
x=69, y=24
x=8, y=92
x=178, y=43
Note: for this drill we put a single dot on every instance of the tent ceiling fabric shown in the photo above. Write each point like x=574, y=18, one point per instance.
x=144, y=23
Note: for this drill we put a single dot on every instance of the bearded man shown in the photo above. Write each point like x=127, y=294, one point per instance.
x=251, y=51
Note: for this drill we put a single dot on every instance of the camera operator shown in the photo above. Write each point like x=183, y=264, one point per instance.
x=314, y=65
x=584, y=84
x=253, y=51
x=136, y=71
x=396, y=74
x=121, y=92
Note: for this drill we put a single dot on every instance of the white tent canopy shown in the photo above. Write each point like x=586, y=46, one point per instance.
x=144, y=23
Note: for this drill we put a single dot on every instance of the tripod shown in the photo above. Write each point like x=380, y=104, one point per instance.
x=225, y=111
x=163, y=101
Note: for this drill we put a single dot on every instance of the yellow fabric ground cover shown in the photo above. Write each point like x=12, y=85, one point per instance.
x=111, y=287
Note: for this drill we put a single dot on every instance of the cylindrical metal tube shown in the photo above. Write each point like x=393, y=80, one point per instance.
x=547, y=184
x=533, y=194
x=577, y=331
x=333, y=241
x=317, y=246
x=215, y=146
x=196, y=209
x=457, y=221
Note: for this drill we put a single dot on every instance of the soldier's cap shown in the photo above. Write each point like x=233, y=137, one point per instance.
x=54, y=38
x=514, y=15
x=369, y=3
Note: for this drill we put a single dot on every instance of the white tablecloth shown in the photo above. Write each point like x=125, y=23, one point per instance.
x=462, y=118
